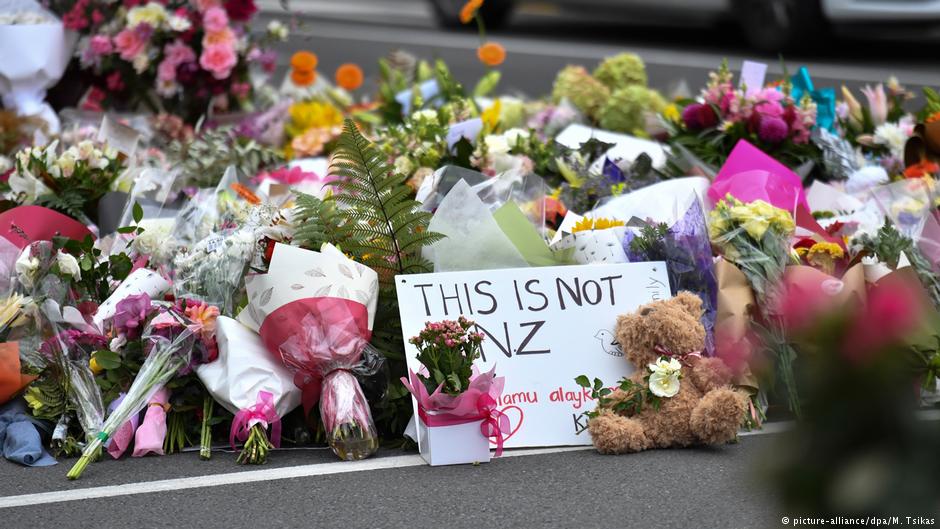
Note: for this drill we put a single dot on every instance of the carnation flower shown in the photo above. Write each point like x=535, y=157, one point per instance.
x=772, y=129
x=131, y=42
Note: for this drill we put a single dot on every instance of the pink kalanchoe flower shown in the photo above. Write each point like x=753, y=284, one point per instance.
x=218, y=60
x=772, y=129
x=215, y=19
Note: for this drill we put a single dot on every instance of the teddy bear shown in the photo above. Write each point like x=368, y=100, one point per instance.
x=664, y=341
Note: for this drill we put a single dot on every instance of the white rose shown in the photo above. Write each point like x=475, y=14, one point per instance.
x=26, y=268
x=496, y=144
x=68, y=265
x=663, y=385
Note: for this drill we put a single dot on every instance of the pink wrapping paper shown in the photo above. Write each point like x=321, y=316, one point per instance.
x=463, y=405
x=749, y=174
x=23, y=225
x=152, y=431
x=121, y=440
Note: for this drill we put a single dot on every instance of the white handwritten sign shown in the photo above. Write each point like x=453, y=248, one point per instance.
x=543, y=327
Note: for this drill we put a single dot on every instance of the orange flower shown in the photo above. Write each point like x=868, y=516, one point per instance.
x=349, y=76
x=922, y=169
x=203, y=315
x=491, y=54
x=469, y=10
x=933, y=117
x=303, y=68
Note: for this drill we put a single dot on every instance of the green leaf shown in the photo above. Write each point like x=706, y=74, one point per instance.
x=583, y=381
x=138, y=213
x=107, y=359
x=126, y=229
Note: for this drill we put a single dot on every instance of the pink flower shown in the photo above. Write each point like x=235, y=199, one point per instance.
x=100, y=45
x=877, y=103
x=288, y=175
x=218, y=60
x=166, y=71
x=772, y=129
x=215, y=19
x=225, y=37
x=205, y=5
x=768, y=103
x=241, y=90
x=178, y=53
x=96, y=17
x=130, y=43
x=115, y=82
x=698, y=116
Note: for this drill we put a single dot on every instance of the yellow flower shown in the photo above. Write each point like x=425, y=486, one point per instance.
x=756, y=227
x=153, y=14
x=490, y=116
x=95, y=368
x=313, y=114
x=824, y=256
x=602, y=223
x=671, y=113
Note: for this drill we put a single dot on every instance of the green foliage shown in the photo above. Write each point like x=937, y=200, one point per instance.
x=205, y=159
x=638, y=397
x=318, y=222
x=650, y=240
x=97, y=275
x=888, y=245
x=933, y=103
x=68, y=201
x=387, y=230
x=448, y=350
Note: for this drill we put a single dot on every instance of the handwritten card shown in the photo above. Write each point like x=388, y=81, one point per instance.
x=753, y=75
x=543, y=327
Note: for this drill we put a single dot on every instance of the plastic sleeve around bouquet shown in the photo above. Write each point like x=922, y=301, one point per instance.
x=324, y=341
x=763, y=262
x=170, y=343
x=214, y=269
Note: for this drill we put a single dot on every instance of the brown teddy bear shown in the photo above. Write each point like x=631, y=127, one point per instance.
x=702, y=408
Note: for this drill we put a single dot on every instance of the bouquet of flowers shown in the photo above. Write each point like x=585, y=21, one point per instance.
x=71, y=182
x=755, y=236
x=770, y=118
x=186, y=58
x=170, y=341
x=314, y=312
x=882, y=127
x=451, y=393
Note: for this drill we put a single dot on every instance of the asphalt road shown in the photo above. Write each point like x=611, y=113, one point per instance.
x=540, y=42
x=704, y=488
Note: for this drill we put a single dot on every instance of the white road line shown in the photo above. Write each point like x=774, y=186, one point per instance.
x=236, y=478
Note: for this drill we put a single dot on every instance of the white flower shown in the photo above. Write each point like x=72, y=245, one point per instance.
x=428, y=114
x=141, y=62
x=664, y=380
x=5, y=164
x=156, y=240
x=278, y=30
x=514, y=136
x=85, y=150
x=153, y=13
x=26, y=187
x=68, y=265
x=892, y=136
x=118, y=343
x=403, y=165
x=496, y=144
x=26, y=268
x=66, y=163
x=178, y=23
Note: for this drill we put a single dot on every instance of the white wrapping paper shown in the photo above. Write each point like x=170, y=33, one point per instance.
x=244, y=368
x=34, y=59
x=140, y=281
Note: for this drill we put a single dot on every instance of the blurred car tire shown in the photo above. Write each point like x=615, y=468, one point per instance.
x=781, y=25
x=495, y=12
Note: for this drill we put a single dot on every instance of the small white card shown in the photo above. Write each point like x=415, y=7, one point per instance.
x=428, y=89
x=753, y=75
x=468, y=129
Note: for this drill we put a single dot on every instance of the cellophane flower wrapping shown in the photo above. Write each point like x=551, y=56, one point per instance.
x=169, y=343
x=687, y=252
x=755, y=237
x=314, y=312
x=463, y=405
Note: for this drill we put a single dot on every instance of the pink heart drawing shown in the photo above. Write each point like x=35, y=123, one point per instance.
x=515, y=424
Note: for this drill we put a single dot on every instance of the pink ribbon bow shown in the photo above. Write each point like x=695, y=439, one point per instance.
x=684, y=358
x=262, y=411
x=495, y=423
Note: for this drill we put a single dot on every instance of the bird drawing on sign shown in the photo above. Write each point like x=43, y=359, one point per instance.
x=609, y=343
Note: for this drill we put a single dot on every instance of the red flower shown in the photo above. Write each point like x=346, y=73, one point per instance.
x=922, y=169
x=240, y=10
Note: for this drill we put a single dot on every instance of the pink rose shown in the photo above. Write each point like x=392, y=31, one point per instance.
x=100, y=45
x=215, y=19
x=178, y=53
x=225, y=37
x=166, y=71
x=130, y=43
x=219, y=60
